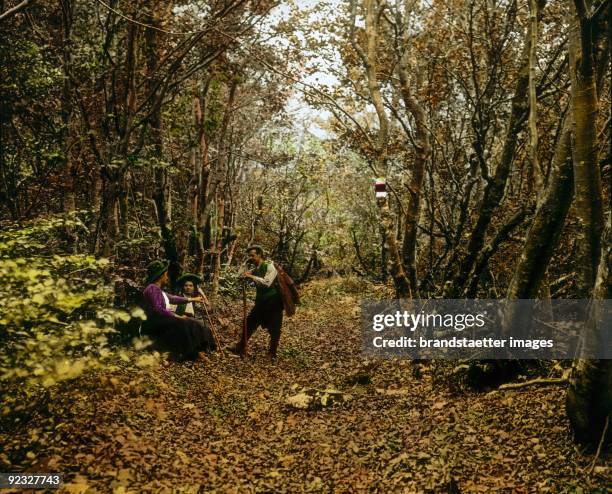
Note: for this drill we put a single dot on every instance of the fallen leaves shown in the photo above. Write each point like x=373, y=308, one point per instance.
x=316, y=399
x=226, y=425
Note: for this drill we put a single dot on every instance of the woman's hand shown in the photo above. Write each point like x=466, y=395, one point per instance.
x=200, y=299
x=183, y=317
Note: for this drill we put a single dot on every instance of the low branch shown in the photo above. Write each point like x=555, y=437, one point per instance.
x=491, y=248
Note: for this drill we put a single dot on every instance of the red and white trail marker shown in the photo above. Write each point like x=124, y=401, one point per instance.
x=380, y=187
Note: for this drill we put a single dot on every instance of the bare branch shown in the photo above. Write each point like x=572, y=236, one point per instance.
x=16, y=9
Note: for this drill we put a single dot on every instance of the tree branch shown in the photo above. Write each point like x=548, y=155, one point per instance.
x=16, y=9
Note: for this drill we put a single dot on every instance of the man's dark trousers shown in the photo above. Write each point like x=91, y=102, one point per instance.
x=268, y=314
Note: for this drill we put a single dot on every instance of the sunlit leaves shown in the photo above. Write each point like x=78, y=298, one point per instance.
x=56, y=309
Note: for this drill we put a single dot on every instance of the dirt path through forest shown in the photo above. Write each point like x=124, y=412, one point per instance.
x=223, y=425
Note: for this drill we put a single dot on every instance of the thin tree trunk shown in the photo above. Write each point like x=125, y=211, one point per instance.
x=8, y=194
x=534, y=181
x=107, y=227
x=161, y=195
x=216, y=268
x=257, y=214
x=69, y=196
x=221, y=172
x=358, y=253
x=421, y=154
x=384, y=254
x=129, y=102
x=203, y=222
x=369, y=58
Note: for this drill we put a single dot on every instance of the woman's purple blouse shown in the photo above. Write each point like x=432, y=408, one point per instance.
x=154, y=304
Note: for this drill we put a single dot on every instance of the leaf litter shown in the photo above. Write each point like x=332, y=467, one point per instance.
x=229, y=425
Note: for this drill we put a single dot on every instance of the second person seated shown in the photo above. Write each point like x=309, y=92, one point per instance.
x=189, y=287
x=181, y=334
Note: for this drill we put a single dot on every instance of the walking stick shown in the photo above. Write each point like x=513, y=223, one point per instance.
x=244, y=320
x=213, y=330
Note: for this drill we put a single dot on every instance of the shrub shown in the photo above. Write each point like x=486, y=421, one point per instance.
x=55, y=307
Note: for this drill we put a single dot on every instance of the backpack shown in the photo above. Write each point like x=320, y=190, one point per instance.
x=288, y=290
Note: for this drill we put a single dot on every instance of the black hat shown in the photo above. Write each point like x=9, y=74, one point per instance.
x=189, y=277
x=155, y=269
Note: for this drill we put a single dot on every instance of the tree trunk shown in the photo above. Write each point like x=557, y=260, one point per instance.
x=534, y=180
x=8, y=194
x=402, y=284
x=543, y=236
x=69, y=196
x=384, y=261
x=589, y=396
x=256, y=214
x=218, y=246
x=201, y=181
x=587, y=177
x=107, y=226
x=203, y=224
x=490, y=249
x=421, y=154
x=220, y=173
x=161, y=194
x=373, y=11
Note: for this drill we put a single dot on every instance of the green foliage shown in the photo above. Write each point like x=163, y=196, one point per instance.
x=214, y=113
x=56, y=309
x=24, y=72
x=311, y=202
x=295, y=355
x=346, y=286
x=230, y=282
x=231, y=407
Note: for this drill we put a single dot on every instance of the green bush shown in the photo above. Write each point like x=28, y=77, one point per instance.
x=55, y=307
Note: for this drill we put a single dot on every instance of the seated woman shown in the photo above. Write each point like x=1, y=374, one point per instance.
x=189, y=286
x=182, y=335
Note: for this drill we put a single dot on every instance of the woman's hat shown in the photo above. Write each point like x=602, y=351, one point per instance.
x=189, y=277
x=155, y=269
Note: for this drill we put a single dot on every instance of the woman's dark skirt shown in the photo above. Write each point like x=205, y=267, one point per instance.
x=182, y=337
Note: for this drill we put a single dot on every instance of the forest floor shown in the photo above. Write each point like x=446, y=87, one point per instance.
x=222, y=425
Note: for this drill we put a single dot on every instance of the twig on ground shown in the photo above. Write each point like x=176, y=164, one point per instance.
x=601, y=441
x=539, y=381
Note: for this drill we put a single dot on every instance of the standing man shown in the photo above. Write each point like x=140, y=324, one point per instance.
x=268, y=309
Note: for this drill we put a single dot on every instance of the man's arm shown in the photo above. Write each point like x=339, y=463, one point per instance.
x=268, y=278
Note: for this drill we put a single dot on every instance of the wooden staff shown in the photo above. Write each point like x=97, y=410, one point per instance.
x=213, y=330
x=244, y=320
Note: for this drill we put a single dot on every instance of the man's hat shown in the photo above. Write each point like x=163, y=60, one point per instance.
x=189, y=277
x=257, y=248
x=155, y=269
